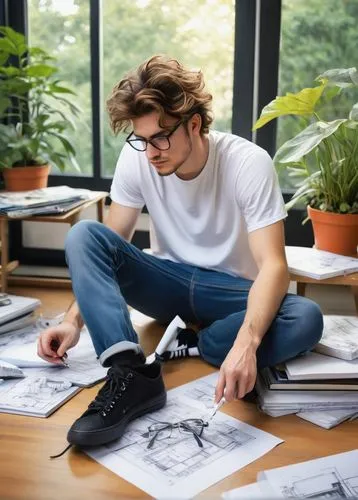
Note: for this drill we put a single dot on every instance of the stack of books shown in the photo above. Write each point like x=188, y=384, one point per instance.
x=320, y=388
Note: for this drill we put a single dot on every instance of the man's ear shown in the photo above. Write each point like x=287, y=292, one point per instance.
x=195, y=124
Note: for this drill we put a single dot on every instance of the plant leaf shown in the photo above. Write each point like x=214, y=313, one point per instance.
x=302, y=103
x=353, y=115
x=340, y=77
x=41, y=70
x=307, y=140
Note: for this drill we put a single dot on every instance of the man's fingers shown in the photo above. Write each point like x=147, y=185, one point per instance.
x=220, y=386
x=230, y=387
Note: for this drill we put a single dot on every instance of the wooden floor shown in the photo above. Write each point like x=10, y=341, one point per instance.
x=26, y=472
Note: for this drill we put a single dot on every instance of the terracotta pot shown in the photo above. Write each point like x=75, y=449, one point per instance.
x=337, y=233
x=26, y=178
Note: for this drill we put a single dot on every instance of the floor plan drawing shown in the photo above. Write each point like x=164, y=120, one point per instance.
x=335, y=476
x=176, y=462
x=36, y=396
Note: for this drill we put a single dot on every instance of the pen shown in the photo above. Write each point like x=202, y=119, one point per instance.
x=217, y=406
x=54, y=346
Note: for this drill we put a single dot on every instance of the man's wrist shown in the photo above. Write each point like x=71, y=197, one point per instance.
x=247, y=338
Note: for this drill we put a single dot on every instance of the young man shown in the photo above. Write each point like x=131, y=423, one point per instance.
x=218, y=254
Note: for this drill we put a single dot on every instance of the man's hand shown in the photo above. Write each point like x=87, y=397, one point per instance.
x=238, y=372
x=56, y=340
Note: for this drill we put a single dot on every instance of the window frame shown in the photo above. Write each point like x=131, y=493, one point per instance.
x=255, y=83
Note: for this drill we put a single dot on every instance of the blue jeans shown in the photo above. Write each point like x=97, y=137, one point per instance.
x=108, y=273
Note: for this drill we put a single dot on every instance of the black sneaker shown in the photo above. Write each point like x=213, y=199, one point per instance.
x=184, y=345
x=127, y=394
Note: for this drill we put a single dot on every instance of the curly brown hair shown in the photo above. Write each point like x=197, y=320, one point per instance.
x=159, y=84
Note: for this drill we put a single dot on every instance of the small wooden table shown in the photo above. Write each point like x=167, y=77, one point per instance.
x=70, y=217
x=350, y=280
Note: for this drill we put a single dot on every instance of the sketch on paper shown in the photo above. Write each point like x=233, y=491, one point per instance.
x=37, y=396
x=175, y=462
x=327, y=484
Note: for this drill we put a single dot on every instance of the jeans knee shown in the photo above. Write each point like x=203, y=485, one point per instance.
x=78, y=236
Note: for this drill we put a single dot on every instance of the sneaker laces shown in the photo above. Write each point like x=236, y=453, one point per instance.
x=116, y=384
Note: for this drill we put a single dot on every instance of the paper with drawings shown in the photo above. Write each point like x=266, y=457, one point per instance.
x=178, y=467
x=340, y=337
x=335, y=476
x=84, y=368
x=34, y=396
x=328, y=419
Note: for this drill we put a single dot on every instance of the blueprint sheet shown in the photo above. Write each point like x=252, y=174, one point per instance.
x=335, y=476
x=177, y=467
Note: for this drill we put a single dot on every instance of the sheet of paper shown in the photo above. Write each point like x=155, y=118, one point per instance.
x=327, y=419
x=318, y=366
x=250, y=491
x=18, y=307
x=335, y=476
x=83, y=368
x=178, y=468
x=340, y=337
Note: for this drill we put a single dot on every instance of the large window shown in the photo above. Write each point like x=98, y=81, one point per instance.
x=317, y=35
x=61, y=27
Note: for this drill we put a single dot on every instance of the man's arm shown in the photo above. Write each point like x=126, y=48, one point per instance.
x=55, y=341
x=238, y=371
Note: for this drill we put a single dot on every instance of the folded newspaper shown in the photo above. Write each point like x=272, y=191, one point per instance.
x=11, y=202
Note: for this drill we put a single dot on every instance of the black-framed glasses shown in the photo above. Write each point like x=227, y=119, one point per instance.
x=160, y=142
x=163, y=430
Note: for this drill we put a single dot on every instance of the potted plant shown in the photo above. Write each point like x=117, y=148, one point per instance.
x=323, y=159
x=34, y=114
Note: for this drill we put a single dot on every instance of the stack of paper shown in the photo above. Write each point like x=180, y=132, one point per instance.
x=335, y=476
x=17, y=312
x=43, y=201
x=311, y=383
x=319, y=264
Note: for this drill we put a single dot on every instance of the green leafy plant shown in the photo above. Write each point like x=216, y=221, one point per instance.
x=322, y=158
x=35, y=111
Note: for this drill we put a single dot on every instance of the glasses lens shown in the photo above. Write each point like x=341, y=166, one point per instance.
x=160, y=430
x=192, y=425
x=138, y=144
x=161, y=143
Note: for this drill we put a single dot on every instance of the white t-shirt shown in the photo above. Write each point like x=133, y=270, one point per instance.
x=205, y=221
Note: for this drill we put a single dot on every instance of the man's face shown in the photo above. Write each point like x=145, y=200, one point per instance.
x=170, y=160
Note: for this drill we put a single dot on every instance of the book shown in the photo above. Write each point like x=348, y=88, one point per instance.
x=277, y=380
x=319, y=264
x=340, y=337
x=318, y=366
x=327, y=419
x=18, y=307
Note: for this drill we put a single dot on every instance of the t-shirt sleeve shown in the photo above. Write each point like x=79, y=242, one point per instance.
x=258, y=192
x=125, y=188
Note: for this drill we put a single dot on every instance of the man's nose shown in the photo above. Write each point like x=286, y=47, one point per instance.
x=152, y=152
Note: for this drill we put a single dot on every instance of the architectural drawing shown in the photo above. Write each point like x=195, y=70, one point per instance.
x=335, y=476
x=177, y=463
x=37, y=396
x=327, y=484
